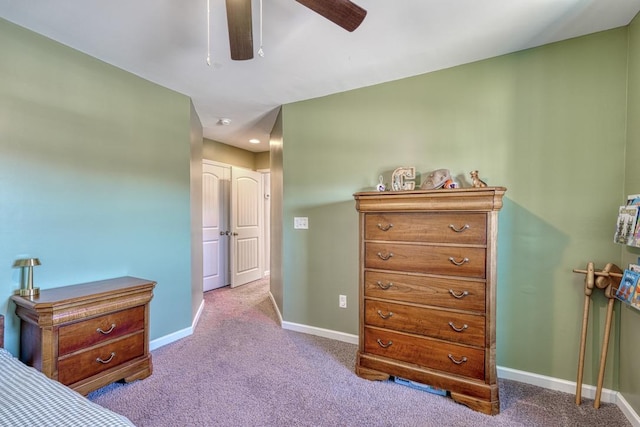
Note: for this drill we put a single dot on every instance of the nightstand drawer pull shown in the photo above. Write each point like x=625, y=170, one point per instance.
x=385, y=227
x=465, y=326
x=458, y=263
x=459, y=230
x=385, y=256
x=458, y=295
x=104, y=362
x=385, y=316
x=383, y=345
x=383, y=286
x=113, y=326
x=457, y=362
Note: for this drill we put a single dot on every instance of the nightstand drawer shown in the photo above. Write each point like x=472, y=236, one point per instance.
x=451, y=358
x=74, y=368
x=448, y=260
x=450, y=293
x=90, y=332
x=458, y=228
x=451, y=326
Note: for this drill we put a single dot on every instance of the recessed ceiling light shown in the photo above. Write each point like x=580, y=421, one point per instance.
x=254, y=141
x=224, y=122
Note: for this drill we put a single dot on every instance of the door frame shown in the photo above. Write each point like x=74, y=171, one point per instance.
x=266, y=216
x=264, y=266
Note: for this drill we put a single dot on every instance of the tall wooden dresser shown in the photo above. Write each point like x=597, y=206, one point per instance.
x=428, y=290
x=88, y=335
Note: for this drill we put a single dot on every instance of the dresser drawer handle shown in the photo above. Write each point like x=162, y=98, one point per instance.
x=459, y=230
x=457, y=362
x=104, y=362
x=385, y=316
x=385, y=227
x=383, y=286
x=459, y=263
x=465, y=326
x=385, y=257
x=383, y=345
x=113, y=326
x=458, y=295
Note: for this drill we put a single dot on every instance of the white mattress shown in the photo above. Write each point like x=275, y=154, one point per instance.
x=28, y=398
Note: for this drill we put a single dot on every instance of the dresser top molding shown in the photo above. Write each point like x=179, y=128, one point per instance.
x=467, y=199
x=65, y=303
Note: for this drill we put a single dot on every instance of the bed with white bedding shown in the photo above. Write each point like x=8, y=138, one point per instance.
x=28, y=398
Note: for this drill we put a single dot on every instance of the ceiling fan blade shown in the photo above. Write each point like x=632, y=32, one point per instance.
x=240, y=29
x=346, y=14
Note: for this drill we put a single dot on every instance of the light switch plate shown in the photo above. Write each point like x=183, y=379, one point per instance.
x=342, y=301
x=300, y=222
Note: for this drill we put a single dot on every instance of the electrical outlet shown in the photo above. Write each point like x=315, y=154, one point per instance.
x=342, y=301
x=300, y=222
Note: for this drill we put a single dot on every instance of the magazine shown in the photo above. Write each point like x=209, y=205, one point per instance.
x=635, y=239
x=627, y=287
x=626, y=225
x=635, y=299
x=633, y=199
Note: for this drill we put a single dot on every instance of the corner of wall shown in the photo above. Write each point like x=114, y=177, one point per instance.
x=196, y=211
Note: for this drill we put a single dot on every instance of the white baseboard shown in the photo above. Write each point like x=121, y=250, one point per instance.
x=326, y=333
x=588, y=391
x=628, y=411
x=551, y=383
x=175, y=336
x=312, y=330
x=168, y=339
x=196, y=318
x=275, y=307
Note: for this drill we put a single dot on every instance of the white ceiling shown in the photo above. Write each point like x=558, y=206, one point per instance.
x=306, y=56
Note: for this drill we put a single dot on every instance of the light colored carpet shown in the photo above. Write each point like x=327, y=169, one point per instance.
x=240, y=368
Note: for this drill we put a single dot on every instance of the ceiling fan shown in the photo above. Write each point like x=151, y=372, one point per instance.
x=344, y=13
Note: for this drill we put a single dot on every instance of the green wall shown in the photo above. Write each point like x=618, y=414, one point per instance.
x=94, y=176
x=630, y=318
x=223, y=153
x=547, y=123
x=262, y=160
x=196, y=140
x=276, y=284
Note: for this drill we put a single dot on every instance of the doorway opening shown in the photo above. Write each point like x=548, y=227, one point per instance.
x=235, y=225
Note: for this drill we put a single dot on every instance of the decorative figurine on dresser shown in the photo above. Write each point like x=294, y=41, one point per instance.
x=89, y=335
x=428, y=290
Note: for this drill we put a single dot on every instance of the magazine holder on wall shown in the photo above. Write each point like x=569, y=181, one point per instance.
x=608, y=280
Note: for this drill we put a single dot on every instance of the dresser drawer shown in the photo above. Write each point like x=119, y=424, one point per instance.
x=82, y=365
x=449, y=293
x=87, y=333
x=460, y=228
x=442, y=324
x=431, y=353
x=448, y=260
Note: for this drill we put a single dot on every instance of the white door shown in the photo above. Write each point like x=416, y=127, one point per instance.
x=215, y=229
x=246, y=218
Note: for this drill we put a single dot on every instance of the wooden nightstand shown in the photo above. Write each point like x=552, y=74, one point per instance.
x=88, y=335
